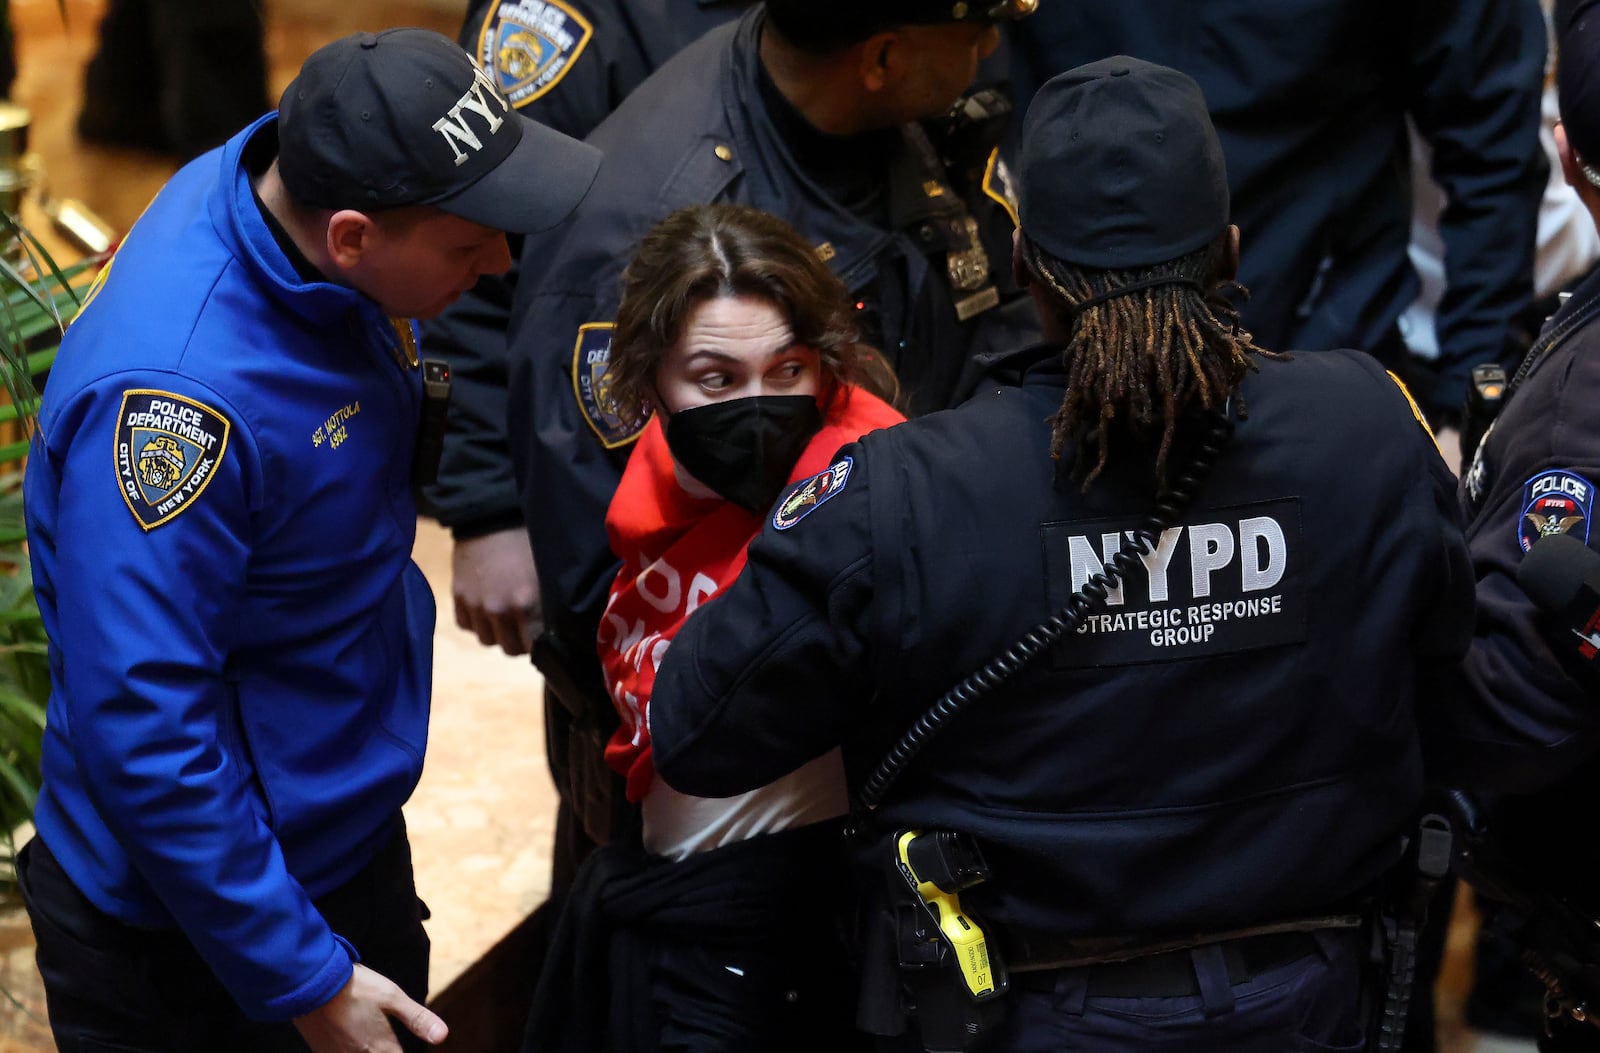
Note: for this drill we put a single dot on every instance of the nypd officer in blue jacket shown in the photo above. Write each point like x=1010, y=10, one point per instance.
x=220, y=522
x=1183, y=805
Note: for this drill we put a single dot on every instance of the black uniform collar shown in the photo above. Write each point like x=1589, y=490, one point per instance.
x=258, y=156
x=850, y=168
x=1040, y=361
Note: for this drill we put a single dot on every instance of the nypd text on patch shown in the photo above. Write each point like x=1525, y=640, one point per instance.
x=808, y=496
x=530, y=45
x=168, y=448
x=1555, y=502
x=1231, y=583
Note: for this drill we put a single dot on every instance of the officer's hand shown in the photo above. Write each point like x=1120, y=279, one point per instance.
x=496, y=590
x=356, y=1020
x=1450, y=447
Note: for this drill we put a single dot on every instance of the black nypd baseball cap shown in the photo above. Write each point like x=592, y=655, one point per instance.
x=1120, y=166
x=1577, y=33
x=405, y=117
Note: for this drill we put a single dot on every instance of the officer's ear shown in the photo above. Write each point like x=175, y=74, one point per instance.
x=350, y=234
x=1572, y=172
x=1228, y=262
x=880, y=61
x=1019, y=266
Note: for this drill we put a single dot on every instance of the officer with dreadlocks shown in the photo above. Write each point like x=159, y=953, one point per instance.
x=1157, y=814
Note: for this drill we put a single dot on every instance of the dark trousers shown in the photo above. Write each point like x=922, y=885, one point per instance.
x=1306, y=1005
x=112, y=987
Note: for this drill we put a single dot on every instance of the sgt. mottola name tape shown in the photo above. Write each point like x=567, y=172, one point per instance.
x=168, y=448
x=1223, y=586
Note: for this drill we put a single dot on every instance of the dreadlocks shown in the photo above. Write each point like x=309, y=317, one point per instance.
x=1146, y=356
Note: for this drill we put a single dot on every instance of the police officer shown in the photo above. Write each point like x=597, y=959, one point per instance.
x=809, y=110
x=1528, y=724
x=1311, y=99
x=1196, y=789
x=220, y=522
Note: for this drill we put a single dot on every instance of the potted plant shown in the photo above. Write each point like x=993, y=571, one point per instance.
x=39, y=299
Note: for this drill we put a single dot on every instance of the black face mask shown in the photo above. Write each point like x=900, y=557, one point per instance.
x=744, y=449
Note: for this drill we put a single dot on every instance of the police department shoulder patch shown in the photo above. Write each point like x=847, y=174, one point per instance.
x=591, y=356
x=1555, y=502
x=529, y=45
x=808, y=496
x=167, y=452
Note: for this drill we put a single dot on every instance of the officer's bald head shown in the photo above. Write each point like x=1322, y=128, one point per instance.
x=825, y=27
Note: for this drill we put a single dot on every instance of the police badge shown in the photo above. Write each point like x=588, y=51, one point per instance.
x=167, y=451
x=529, y=45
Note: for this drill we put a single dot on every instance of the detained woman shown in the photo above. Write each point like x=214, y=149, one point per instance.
x=724, y=930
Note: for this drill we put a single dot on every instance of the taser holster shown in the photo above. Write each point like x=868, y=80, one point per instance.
x=928, y=959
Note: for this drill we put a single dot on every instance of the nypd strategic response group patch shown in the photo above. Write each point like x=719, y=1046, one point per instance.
x=530, y=45
x=1555, y=502
x=590, y=358
x=1226, y=586
x=168, y=449
x=809, y=495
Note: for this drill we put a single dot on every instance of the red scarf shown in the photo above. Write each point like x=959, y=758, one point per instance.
x=677, y=552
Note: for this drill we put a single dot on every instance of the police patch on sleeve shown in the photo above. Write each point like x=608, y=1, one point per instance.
x=1555, y=502
x=591, y=357
x=530, y=45
x=168, y=450
x=808, y=496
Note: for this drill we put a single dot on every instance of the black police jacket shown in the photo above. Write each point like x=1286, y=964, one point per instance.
x=1230, y=742
x=567, y=64
x=1529, y=717
x=1310, y=99
x=698, y=131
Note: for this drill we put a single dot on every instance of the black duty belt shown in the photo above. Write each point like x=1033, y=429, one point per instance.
x=1171, y=974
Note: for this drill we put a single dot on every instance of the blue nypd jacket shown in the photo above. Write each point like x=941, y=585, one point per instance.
x=220, y=522
x=1230, y=741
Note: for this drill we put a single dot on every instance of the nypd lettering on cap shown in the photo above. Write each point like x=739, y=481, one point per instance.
x=808, y=496
x=461, y=134
x=591, y=357
x=167, y=452
x=530, y=45
x=1228, y=584
x=1555, y=502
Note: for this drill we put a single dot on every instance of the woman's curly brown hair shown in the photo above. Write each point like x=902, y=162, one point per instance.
x=704, y=252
